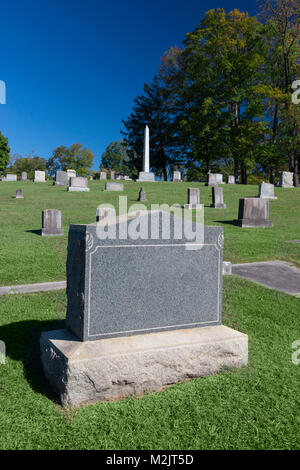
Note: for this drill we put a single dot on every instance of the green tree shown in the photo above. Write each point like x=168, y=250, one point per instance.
x=30, y=163
x=4, y=153
x=115, y=157
x=76, y=157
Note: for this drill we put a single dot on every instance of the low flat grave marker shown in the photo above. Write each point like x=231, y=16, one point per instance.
x=114, y=187
x=79, y=184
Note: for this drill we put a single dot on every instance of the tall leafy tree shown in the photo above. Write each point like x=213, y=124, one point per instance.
x=115, y=157
x=4, y=153
x=76, y=157
x=30, y=163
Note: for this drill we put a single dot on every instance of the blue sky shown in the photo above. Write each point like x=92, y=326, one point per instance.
x=73, y=67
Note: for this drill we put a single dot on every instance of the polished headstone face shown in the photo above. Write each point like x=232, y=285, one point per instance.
x=114, y=187
x=122, y=286
x=61, y=178
x=51, y=222
x=39, y=176
x=286, y=179
x=254, y=212
x=266, y=190
x=24, y=176
x=217, y=198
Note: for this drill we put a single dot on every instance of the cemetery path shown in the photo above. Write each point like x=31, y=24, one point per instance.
x=278, y=275
x=29, y=288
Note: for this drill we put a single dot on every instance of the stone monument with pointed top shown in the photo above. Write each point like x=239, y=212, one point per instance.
x=146, y=175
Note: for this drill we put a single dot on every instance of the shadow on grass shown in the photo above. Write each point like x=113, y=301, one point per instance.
x=228, y=222
x=22, y=341
x=36, y=232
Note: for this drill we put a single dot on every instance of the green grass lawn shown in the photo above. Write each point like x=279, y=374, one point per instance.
x=25, y=256
x=257, y=407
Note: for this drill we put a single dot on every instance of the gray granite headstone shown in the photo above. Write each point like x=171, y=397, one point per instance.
x=24, y=176
x=286, y=179
x=231, y=179
x=102, y=175
x=266, y=190
x=71, y=174
x=142, y=195
x=253, y=212
x=219, y=178
x=193, y=199
x=19, y=194
x=10, y=177
x=112, y=175
x=39, y=177
x=211, y=179
x=51, y=223
x=114, y=187
x=146, y=176
x=61, y=178
x=217, y=198
x=79, y=183
x=176, y=176
x=119, y=286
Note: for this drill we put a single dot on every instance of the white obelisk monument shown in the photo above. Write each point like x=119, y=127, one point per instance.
x=145, y=175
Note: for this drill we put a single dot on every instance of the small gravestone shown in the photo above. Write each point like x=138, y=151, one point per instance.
x=71, y=174
x=217, y=198
x=211, y=179
x=10, y=177
x=102, y=175
x=79, y=184
x=24, y=176
x=253, y=212
x=112, y=175
x=219, y=178
x=39, y=177
x=19, y=194
x=61, y=178
x=266, y=190
x=103, y=212
x=231, y=179
x=193, y=195
x=286, y=179
x=176, y=176
x=51, y=223
x=114, y=187
x=131, y=316
x=142, y=195
x=227, y=268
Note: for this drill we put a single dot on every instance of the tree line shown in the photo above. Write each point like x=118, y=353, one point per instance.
x=222, y=102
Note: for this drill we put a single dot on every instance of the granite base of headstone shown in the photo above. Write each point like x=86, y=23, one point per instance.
x=217, y=198
x=286, y=179
x=61, y=178
x=114, y=187
x=79, y=184
x=193, y=196
x=266, y=190
x=133, y=325
x=146, y=176
x=142, y=195
x=51, y=223
x=19, y=194
x=253, y=212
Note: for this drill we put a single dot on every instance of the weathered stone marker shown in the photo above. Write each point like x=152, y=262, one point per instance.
x=176, y=176
x=266, y=190
x=10, y=177
x=253, y=212
x=166, y=331
x=142, y=195
x=71, y=174
x=51, y=223
x=193, y=196
x=19, y=194
x=231, y=179
x=211, y=179
x=114, y=187
x=24, y=176
x=79, y=183
x=219, y=178
x=286, y=179
x=61, y=178
x=39, y=177
x=227, y=268
x=112, y=175
x=217, y=198
x=102, y=175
